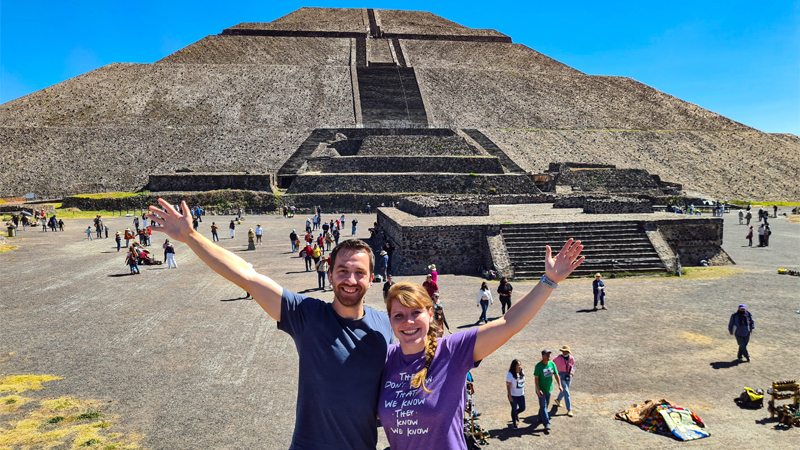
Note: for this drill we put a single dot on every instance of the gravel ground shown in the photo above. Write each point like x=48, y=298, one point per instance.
x=188, y=363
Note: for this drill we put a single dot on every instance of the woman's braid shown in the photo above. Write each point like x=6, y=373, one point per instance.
x=430, y=351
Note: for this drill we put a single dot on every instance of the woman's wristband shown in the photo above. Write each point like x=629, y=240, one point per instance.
x=548, y=282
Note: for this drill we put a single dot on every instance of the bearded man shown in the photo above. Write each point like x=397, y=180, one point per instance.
x=342, y=345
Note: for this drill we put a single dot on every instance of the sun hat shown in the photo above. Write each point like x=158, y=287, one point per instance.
x=383, y=252
x=565, y=349
x=597, y=275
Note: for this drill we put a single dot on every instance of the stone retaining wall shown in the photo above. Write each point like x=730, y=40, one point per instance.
x=210, y=182
x=382, y=164
x=413, y=183
x=232, y=199
x=695, y=240
x=617, y=205
x=440, y=206
x=454, y=249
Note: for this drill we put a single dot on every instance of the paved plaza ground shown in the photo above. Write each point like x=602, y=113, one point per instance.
x=185, y=361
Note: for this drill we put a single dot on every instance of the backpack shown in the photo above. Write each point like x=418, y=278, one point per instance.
x=750, y=399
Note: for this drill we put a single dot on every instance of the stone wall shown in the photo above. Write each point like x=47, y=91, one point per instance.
x=609, y=180
x=32, y=208
x=496, y=254
x=211, y=182
x=414, y=183
x=617, y=205
x=695, y=240
x=440, y=206
x=428, y=164
x=230, y=199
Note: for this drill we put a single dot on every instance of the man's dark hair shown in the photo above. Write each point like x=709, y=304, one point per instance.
x=355, y=245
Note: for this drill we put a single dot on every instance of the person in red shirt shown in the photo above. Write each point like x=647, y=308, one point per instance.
x=430, y=286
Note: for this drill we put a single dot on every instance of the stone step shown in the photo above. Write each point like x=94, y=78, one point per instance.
x=441, y=183
x=390, y=95
x=494, y=150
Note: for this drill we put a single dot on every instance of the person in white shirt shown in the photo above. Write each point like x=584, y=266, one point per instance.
x=515, y=385
x=484, y=299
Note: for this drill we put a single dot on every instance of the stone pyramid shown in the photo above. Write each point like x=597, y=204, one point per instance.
x=253, y=98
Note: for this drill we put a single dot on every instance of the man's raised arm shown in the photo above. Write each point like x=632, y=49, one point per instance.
x=264, y=290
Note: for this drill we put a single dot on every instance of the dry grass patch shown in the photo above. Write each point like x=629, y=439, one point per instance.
x=7, y=248
x=64, y=422
x=711, y=273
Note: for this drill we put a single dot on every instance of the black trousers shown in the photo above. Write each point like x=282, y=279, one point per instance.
x=505, y=301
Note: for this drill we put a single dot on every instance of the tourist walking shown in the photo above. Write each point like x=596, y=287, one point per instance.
x=132, y=260
x=599, y=291
x=169, y=254
x=259, y=233
x=430, y=286
x=761, y=235
x=504, y=291
x=438, y=315
x=136, y=224
x=565, y=364
x=748, y=216
x=515, y=386
x=544, y=373
x=767, y=233
x=322, y=271
x=306, y=254
x=61, y=226
x=741, y=325
x=316, y=253
x=232, y=227
x=295, y=240
x=483, y=301
x=308, y=225
x=741, y=217
x=214, y=234
x=749, y=237
x=88, y=232
x=383, y=264
x=388, y=285
x=118, y=239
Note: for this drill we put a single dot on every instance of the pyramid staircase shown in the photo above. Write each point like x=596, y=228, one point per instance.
x=608, y=247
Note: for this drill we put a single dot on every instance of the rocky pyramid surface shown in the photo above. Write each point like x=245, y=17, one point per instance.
x=245, y=99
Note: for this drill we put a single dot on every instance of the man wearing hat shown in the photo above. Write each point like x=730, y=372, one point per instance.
x=742, y=320
x=544, y=373
x=565, y=363
x=383, y=264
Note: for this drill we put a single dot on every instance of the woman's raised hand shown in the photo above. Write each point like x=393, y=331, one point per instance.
x=175, y=225
x=568, y=259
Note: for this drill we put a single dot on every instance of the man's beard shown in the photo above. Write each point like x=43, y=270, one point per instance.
x=348, y=300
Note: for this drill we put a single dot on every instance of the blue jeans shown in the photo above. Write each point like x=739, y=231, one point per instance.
x=321, y=279
x=354, y=230
x=517, y=407
x=294, y=246
x=484, y=307
x=544, y=404
x=742, y=341
x=565, y=393
x=214, y=236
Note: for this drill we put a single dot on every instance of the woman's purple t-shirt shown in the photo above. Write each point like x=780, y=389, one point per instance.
x=413, y=418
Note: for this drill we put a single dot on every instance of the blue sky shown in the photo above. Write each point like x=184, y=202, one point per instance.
x=739, y=59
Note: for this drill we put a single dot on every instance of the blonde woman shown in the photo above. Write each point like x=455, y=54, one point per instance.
x=422, y=388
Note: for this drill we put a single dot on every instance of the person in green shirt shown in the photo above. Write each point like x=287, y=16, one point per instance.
x=543, y=375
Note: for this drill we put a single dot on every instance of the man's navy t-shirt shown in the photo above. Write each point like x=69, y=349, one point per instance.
x=341, y=361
